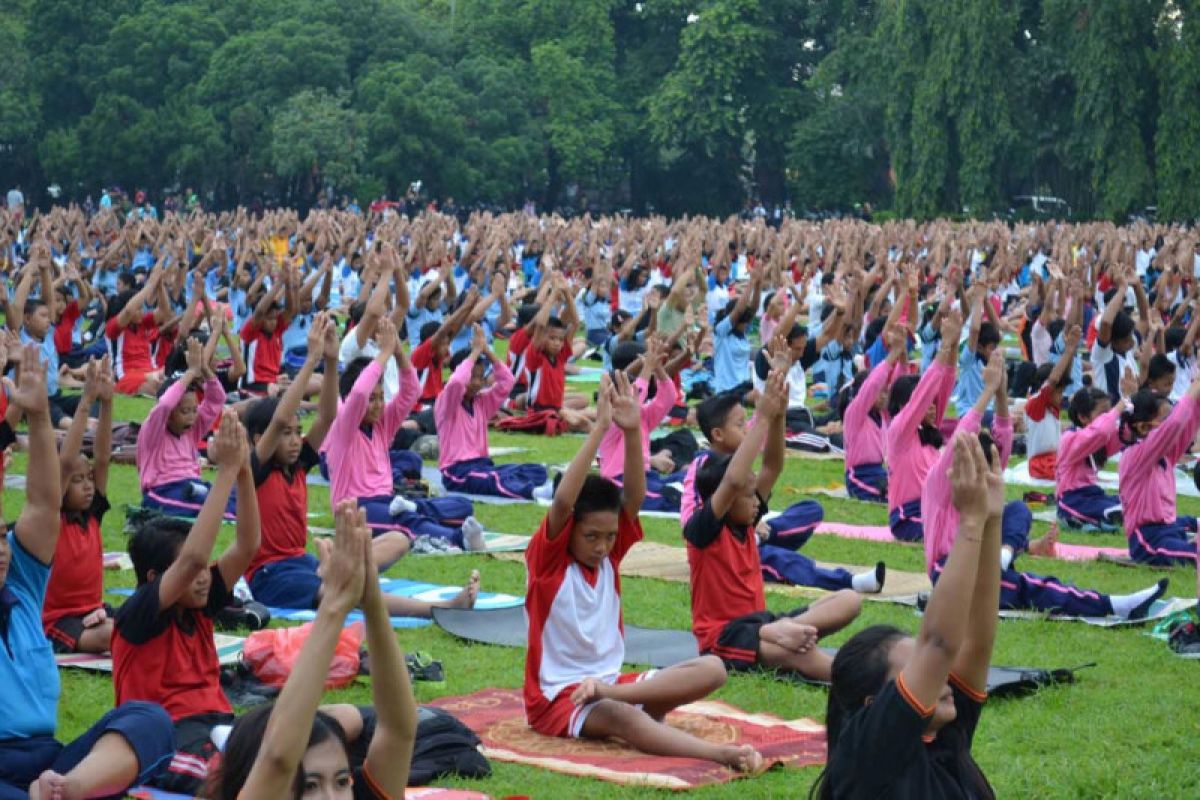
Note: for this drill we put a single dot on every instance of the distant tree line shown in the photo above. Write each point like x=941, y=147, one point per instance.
x=922, y=108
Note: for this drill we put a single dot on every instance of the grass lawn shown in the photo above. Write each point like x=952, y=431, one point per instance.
x=1129, y=728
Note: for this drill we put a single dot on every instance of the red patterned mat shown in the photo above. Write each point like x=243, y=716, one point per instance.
x=498, y=717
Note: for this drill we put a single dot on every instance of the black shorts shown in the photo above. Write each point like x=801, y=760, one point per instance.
x=195, y=754
x=64, y=634
x=737, y=645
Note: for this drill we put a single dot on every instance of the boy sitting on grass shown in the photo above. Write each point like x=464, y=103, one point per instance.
x=729, y=616
x=573, y=681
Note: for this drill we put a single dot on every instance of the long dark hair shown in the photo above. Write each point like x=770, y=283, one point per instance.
x=898, y=397
x=859, y=671
x=1083, y=404
x=241, y=751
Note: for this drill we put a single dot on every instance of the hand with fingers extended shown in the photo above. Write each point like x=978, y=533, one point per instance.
x=626, y=408
x=604, y=405
x=229, y=448
x=970, y=484
x=29, y=393
x=343, y=561
x=774, y=401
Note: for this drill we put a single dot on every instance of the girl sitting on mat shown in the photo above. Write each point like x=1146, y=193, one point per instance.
x=914, y=437
x=1156, y=437
x=1082, y=452
x=902, y=712
x=361, y=469
x=293, y=748
x=74, y=615
x=1018, y=590
x=574, y=687
x=865, y=420
x=168, y=452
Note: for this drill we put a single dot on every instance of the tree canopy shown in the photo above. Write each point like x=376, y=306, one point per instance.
x=921, y=107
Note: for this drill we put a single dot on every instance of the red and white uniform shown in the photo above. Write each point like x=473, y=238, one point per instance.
x=575, y=626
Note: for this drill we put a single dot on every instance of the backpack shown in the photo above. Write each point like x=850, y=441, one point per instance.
x=444, y=746
x=545, y=422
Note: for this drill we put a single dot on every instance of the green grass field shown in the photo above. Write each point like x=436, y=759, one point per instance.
x=1128, y=729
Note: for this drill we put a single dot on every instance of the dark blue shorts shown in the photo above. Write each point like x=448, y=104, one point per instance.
x=287, y=583
x=145, y=726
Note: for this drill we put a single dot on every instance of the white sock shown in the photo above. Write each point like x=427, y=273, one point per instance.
x=1125, y=605
x=871, y=581
x=401, y=505
x=1006, y=556
x=473, y=540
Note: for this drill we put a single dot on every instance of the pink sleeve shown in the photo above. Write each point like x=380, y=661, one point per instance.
x=860, y=406
x=395, y=412
x=1002, y=434
x=456, y=388
x=354, y=407
x=155, y=426
x=210, y=409
x=1171, y=439
x=489, y=401
x=945, y=390
x=937, y=507
x=906, y=422
x=657, y=409
x=1100, y=432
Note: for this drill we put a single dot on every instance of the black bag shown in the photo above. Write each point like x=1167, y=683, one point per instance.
x=445, y=746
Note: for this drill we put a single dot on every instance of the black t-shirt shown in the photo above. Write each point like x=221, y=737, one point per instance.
x=703, y=527
x=881, y=752
x=140, y=618
x=308, y=459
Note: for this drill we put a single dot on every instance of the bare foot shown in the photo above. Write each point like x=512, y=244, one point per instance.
x=743, y=759
x=1045, y=545
x=763, y=530
x=50, y=786
x=469, y=594
x=589, y=691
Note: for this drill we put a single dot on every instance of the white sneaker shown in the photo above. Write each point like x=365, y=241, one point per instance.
x=401, y=505
x=544, y=492
x=473, y=541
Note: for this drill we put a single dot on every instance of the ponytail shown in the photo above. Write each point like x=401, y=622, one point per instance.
x=1145, y=405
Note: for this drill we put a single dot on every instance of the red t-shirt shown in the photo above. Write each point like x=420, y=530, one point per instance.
x=264, y=351
x=547, y=378
x=282, y=507
x=132, y=344
x=727, y=578
x=429, y=371
x=65, y=327
x=518, y=343
x=76, y=585
x=168, y=656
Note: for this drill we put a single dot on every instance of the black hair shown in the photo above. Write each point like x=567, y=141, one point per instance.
x=126, y=277
x=714, y=411
x=619, y=318
x=350, y=375
x=555, y=324
x=626, y=353
x=873, y=332
x=526, y=313
x=596, y=495
x=242, y=749
x=33, y=304
x=850, y=391
x=258, y=416
x=118, y=303
x=898, y=397
x=988, y=334
x=1160, y=366
x=429, y=329
x=797, y=331
x=156, y=544
x=746, y=316
x=1145, y=406
x=711, y=473
x=860, y=671
x=1122, y=327
x=1173, y=338
x=357, y=310
x=1042, y=374
x=1083, y=403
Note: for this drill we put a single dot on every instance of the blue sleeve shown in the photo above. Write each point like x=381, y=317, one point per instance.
x=26, y=575
x=877, y=352
x=724, y=327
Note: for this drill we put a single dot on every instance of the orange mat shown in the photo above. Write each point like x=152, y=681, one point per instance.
x=498, y=717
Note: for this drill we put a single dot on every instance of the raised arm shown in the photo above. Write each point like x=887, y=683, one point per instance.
x=289, y=404
x=38, y=525
x=228, y=450
x=1104, y=327
x=286, y=738
x=569, y=486
x=737, y=480
x=943, y=631
x=72, y=443
x=15, y=316
x=776, y=444
x=627, y=415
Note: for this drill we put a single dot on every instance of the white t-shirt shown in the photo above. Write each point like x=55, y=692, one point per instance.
x=350, y=351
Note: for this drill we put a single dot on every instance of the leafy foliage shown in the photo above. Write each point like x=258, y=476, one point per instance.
x=925, y=107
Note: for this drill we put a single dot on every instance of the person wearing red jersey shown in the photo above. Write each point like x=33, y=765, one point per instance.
x=262, y=336
x=573, y=681
x=74, y=615
x=546, y=364
x=132, y=331
x=729, y=616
